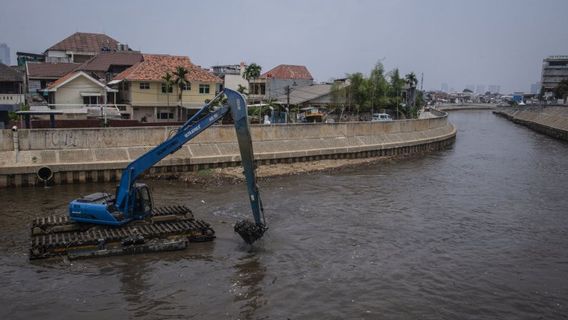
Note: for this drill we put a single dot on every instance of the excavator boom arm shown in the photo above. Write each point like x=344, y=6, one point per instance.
x=189, y=130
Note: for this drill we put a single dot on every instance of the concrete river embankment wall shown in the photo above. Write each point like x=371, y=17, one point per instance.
x=100, y=154
x=552, y=121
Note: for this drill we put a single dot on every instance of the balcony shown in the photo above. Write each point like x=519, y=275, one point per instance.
x=8, y=98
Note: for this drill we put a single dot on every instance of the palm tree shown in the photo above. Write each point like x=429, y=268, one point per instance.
x=412, y=82
x=252, y=71
x=168, y=82
x=411, y=79
x=181, y=81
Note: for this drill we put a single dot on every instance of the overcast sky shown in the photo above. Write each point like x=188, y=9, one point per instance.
x=456, y=42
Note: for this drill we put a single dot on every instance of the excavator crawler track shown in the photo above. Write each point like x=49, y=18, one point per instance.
x=166, y=229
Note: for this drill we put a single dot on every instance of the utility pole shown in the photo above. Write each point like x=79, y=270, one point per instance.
x=287, y=102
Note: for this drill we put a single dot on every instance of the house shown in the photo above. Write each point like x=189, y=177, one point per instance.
x=232, y=75
x=80, y=47
x=142, y=88
x=11, y=92
x=76, y=92
x=106, y=65
x=102, y=67
x=23, y=57
x=40, y=74
x=276, y=82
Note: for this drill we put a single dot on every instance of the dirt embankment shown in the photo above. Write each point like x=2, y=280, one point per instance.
x=231, y=175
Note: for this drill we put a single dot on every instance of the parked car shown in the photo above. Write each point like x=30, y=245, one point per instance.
x=380, y=117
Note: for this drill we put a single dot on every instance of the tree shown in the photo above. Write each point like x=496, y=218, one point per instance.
x=181, y=81
x=411, y=79
x=252, y=71
x=396, y=86
x=339, y=97
x=168, y=83
x=242, y=89
x=412, y=82
x=359, y=91
x=467, y=90
x=377, y=86
x=561, y=90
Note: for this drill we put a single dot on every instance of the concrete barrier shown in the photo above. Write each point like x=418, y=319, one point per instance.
x=100, y=154
x=552, y=121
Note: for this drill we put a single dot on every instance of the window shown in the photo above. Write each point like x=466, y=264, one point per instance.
x=170, y=88
x=90, y=100
x=187, y=87
x=144, y=85
x=204, y=88
x=258, y=88
x=165, y=115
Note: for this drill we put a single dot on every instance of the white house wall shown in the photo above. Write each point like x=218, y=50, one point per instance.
x=70, y=93
x=232, y=81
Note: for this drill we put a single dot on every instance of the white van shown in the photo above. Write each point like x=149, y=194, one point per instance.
x=381, y=117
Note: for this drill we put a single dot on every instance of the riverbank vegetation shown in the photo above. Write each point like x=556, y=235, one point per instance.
x=380, y=91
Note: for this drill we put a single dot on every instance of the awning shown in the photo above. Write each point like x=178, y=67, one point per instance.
x=91, y=94
x=42, y=112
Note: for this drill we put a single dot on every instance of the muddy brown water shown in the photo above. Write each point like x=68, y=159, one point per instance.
x=479, y=231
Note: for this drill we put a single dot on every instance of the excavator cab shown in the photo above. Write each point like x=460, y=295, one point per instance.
x=142, y=200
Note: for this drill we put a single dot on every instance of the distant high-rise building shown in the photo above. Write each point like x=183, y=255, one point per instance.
x=4, y=54
x=480, y=89
x=554, y=70
x=494, y=88
x=535, y=88
x=444, y=87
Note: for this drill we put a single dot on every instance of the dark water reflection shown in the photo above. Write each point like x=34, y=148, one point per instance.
x=476, y=231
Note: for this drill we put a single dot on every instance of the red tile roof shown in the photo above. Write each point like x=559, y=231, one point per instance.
x=286, y=71
x=85, y=42
x=50, y=70
x=104, y=60
x=155, y=66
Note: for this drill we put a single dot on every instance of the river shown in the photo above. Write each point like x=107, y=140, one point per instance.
x=476, y=231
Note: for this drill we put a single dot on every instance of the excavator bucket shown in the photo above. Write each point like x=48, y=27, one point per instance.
x=250, y=231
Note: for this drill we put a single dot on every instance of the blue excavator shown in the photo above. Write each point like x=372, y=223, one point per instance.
x=106, y=224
